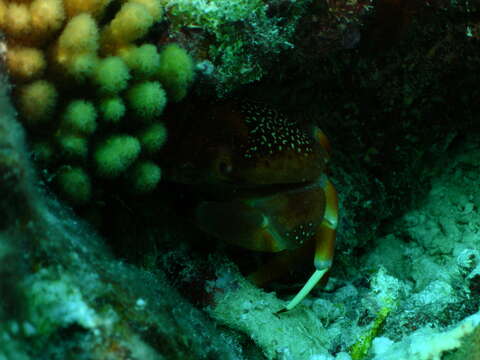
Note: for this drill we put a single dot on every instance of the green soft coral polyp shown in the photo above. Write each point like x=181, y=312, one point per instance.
x=112, y=109
x=116, y=154
x=74, y=184
x=153, y=137
x=73, y=147
x=80, y=116
x=143, y=60
x=147, y=99
x=176, y=71
x=111, y=75
x=145, y=176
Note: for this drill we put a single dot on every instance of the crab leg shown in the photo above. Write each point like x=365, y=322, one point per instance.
x=279, y=265
x=325, y=244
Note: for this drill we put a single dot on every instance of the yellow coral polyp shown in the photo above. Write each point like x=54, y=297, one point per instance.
x=18, y=21
x=37, y=101
x=25, y=63
x=154, y=8
x=129, y=24
x=80, y=35
x=77, y=45
x=93, y=7
x=47, y=16
x=3, y=13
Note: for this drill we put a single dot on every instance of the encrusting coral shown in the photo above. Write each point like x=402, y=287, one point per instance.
x=91, y=88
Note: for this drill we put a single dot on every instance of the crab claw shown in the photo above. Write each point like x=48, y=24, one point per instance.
x=325, y=245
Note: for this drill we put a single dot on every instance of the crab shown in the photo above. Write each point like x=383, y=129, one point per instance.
x=263, y=177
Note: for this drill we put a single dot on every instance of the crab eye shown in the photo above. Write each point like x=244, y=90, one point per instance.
x=222, y=164
x=224, y=167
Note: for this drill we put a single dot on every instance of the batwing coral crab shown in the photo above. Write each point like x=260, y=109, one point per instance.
x=264, y=173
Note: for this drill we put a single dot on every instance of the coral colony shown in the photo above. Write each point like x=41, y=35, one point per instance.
x=91, y=90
